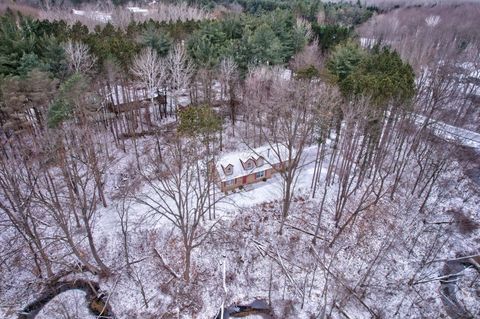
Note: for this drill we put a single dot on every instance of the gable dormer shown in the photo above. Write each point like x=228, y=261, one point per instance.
x=260, y=161
x=248, y=164
x=228, y=170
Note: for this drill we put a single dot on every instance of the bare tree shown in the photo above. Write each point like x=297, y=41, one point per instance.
x=177, y=12
x=228, y=73
x=149, y=69
x=50, y=4
x=285, y=118
x=16, y=206
x=46, y=206
x=180, y=71
x=310, y=56
x=121, y=17
x=80, y=60
x=178, y=190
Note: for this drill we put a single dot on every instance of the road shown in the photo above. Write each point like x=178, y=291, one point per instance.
x=451, y=133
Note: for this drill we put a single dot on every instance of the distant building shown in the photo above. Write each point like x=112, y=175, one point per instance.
x=138, y=10
x=123, y=99
x=237, y=169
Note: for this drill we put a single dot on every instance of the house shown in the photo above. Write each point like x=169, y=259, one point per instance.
x=237, y=169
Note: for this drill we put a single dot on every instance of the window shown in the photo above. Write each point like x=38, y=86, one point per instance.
x=228, y=170
x=249, y=164
x=260, y=175
x=230, y=182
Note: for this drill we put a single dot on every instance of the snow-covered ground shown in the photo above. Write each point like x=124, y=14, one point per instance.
x=157, y=11
x=250, y=196
x=255, y=202
x=99, y=16
x=138, y=10
x=246, y=234
x=70, y=304
x=383, y=258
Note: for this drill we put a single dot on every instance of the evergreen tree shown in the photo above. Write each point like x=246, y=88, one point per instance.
x=157, y=40
x=54, y=58
x=26, y=99
x=27, y=63
x=265, y=46
x=207, y=45
x=199, y=121
x=63, y=107
x=343, y=61
x=330, y=35
x=383, y=76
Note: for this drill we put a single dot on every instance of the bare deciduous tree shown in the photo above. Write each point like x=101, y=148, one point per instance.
x=16, y=186
x=80, y=60
x=180, y=71
x=149, y=68
x=309, y=56
x=285, y=119
x=177, y=12
x=178, y=190
x=228, y=74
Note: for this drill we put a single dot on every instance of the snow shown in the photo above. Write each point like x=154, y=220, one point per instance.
x=251, y=216
x=370, y=42
x=70, y=304
x=95, y=15
x=138, y=10
x=251, y=195
x=78, y=12
x=472, y=68
x=248, y=222
x=287, y=74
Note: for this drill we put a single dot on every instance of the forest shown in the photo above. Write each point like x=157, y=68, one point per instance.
x=239, y=158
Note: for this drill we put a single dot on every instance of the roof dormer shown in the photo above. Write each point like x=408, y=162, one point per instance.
x=248, y=164
x=260, y=161
x=228, y=170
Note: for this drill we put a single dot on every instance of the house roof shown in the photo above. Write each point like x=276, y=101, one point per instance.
x=272, y=154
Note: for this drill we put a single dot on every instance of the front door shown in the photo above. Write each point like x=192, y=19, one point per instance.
x=244, y=181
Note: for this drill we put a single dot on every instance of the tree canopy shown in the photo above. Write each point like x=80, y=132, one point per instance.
x=379, y=73
x=199, y=120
